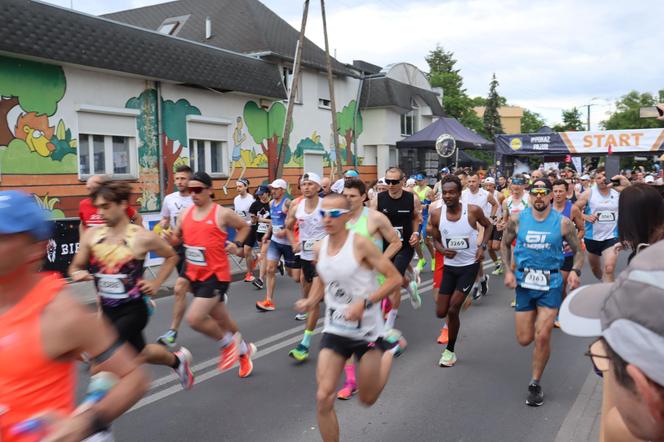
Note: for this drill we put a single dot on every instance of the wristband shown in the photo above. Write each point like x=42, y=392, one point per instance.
x=577, y=271
x=368, y=304
x=238, y=244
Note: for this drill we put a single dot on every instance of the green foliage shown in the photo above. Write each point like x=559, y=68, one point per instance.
x=307, y=144
x=174, y=117
x=146, y=123
x=64, y=144
x=531, y=122
x=492, y=124
x=38, y=86
x=626, y=115
x=345, y=120
x=572, y=121
x=263, y=124
x=16, y=158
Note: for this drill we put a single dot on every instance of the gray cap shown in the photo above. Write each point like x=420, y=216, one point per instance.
x=628, y=313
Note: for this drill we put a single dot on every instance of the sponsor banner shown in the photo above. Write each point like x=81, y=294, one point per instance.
x=151, y=222
x=62, y=247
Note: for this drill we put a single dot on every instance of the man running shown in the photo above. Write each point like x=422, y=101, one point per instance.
x=242, y=203
x=43, y=332
x=260, y=227
x=306, y=213
x=279, y=244
x=496, y=233
x=516, y=202
x=455, y=227
x=539, y=233
x=202, y=228
x=402, y=210
x=374, y=226
x=172, y=206
x=87, y=212
x=599, y=205
x=348, y=265
x=115, y=253
x=425, y=195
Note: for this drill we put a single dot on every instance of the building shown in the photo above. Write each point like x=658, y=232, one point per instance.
x=205, y=83
x=510, y=117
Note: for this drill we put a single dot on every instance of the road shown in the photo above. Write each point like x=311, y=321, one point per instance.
x=480, y=399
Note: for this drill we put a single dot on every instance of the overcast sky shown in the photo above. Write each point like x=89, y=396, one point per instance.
x=547, y=55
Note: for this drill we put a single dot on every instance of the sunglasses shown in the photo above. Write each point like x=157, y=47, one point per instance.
x=332, y=213
x=390, y=182
x=196, y=189
x=538, y=191
x=518, y=181
x=601, y=362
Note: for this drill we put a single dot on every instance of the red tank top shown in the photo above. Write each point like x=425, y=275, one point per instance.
x=205, y=247
x=31, y=382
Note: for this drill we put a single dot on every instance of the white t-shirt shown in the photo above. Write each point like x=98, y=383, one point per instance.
x=242, y=206
x=173, y=205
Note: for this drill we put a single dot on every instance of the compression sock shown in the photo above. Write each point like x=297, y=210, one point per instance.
x=226, y=340
x=243, y=348
x=391, y=319
x=306, y=339
x=350, y=374
x=450, y=345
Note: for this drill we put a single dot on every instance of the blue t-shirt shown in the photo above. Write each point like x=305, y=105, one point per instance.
x=539, y=245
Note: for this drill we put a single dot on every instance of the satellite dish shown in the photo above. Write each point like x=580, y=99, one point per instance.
x=445, y=145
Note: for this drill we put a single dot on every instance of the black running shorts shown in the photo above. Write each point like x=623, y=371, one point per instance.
x=308, y=270
x=402, y=259
x=597, y=247
x=210, y=288
x=458, y=279
x=347, y=347
x=568, y=263
x=129, y=320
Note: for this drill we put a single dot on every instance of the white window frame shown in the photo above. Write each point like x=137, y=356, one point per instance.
x=413, y=115
x=207, y=153
x=108, y=157
x=324, y=103
x=287, y=77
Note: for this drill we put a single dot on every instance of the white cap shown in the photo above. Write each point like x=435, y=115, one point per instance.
x=279, y=184
x=410, y=182
x=649, y=179
x=310, y=176
x=526, y=176
x=338, y=186
x=489, y=180
x=585, y=177
x=381, y=180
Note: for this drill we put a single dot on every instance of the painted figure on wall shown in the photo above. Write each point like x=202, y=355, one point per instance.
x=239, y=137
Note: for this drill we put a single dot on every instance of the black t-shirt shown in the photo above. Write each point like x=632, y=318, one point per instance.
x=400, y=213
x=261, y=210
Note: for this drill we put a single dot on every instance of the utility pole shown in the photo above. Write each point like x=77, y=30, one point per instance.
x=588, y=115
x=333, y=106
x=288, y=125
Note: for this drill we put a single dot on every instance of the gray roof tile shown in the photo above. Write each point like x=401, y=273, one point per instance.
x=383, y=91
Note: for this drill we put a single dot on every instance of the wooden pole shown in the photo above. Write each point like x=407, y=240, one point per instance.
x=288, y=125
x=333, y=105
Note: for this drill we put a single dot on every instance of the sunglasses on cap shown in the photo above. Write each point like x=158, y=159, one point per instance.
x=390, y=182
x=196, y=189
x=518, y=181
x=539, y=191
x=332, y=213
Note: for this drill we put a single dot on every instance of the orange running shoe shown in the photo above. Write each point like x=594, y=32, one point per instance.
x=265, y=306
x=249, y=277
x=444, y=336
x=229, y=357
x=246, y=365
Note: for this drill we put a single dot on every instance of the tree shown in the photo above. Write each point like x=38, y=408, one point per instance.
x=492, y=124
x=531, y=122
x=267, y=129
x=626, y=115
x=174, y=121
x=345, y=127
x=571, y=121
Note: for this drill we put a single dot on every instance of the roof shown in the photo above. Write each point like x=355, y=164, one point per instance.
x=48, y=32
x=383, y=91
x=366, y=67
x=426, y=138
x=245, y=26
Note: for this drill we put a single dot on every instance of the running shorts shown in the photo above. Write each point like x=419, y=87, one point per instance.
x=308, y=270
x=210, y=288
x=347, y=347
x=568, y=263
x=250, y=240
x=597, y=247
x=180, y=266
x=402, y=259
x=458, y=279
x=129, y=320
x=496, y=235
x=438, y=270
x=528, y=300
x=277, y=250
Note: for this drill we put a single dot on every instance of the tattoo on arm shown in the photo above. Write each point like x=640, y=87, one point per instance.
x=574, y=244
x=509, y=234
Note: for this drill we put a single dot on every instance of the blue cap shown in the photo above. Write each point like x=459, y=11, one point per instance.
x=20, y=213
x=351, y=173
x=261, y=190
x=419, y=177
x=444, y=170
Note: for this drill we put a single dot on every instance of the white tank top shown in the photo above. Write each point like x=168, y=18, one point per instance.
x=311, y=229
x=479, y=199
x=606, y=209
x=516, y=206
x=459, y=236
x=347, y=281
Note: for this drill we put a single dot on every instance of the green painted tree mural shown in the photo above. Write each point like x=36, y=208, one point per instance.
x=174, y=121
x=346, y=127
x=267, y=129
x=36, y=87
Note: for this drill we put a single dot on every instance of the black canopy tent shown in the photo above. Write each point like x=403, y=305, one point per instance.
x=417, y=153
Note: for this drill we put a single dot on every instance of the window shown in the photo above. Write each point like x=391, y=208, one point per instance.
x=168, y=28
x=107, y=154
x=409, y=120
x=322, y=102
x=287, y=76
x=208, y=156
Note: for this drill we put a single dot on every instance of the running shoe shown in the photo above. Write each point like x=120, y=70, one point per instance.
x=299, y=353
x=444, y=337
x=476, y=293
x=416, y=275
x=498, y=270
x=484, y=285
x=415, y=298
x=280, y=267
x=395, y=339
x=168, y=339
x=447, y=359
x=183, y=371
x=249, y=277
x=246, y=364
x=420, y=264
x=258, y=283
x=229, y=355
x=348, y=390
x=433, y=264
x=265, y=306
x=513, y=303
x=301, y=316
x=556, y=322
x=535, y=395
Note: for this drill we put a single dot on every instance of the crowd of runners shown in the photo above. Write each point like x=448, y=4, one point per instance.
x=356, y=250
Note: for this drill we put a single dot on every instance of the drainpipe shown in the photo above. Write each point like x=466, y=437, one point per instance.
x=162, y=187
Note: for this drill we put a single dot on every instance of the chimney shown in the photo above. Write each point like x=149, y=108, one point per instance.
x=208, y=28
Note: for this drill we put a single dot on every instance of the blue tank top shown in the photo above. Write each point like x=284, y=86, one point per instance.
x=539, y=245
x=567, y=212
x=277, y=214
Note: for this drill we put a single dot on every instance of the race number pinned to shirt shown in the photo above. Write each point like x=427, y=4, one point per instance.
x=195, y=255
x=458, y=243
x=308, y=245
x=111, y=286
x=338, y=319
x=399, y=230
x=606, y=216
x=536, y=279
x=262, y=227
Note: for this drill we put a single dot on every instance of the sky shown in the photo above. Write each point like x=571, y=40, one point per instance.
x=547, y=56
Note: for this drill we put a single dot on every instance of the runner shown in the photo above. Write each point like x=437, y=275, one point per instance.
x=202, y=229
x=375, y=226
x=115, y=253
x=260, y=226
x=425, y=195
x=402, y=209
x=436, y=187
x=599, y=205
x=241, y=204
x=539, y=233
x=455, y=227
x=306, y=213
x=44, y=331
x=87, y=212
x=443, y=337
x=171, y=208
x=516, y=202
x=279, y=244
x=348, y=265
x=497, y=231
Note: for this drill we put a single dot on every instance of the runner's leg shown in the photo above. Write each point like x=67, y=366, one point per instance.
x=610, y=257
x=372, y=375
x=328, y=373
x=595, y=264
x=543, y=326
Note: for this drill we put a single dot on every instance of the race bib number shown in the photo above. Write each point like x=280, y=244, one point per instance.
x=338, y=319
x=458, y=243
x=606, y=216
x=536, y=279
x=241, y=213
x=399, y=231
x=262, y=227
x=308, y=245
x=111, y=286
x=195, y=255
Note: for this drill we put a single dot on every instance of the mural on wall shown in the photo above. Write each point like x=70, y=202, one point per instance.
x=29, y=143
x=345, y=129
x=174, y=122
x=310, y=143
x=47, y=203
x=240, y=155
x=266, y=128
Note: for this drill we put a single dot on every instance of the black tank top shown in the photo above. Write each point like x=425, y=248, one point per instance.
x=400, y=213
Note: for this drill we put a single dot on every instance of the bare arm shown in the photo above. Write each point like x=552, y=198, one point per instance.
x=509, y=235
x=377, y=261
x=387, y=232
x=231, y=219
x=577, y=218
x=582, y=200
x=78, y=267
x=482, y=220
x=151, y=242
x=569, y=233
x=494, y=205
x=137, y=219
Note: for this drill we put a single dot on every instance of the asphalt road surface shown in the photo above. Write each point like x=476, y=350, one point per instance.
x=480, y=399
